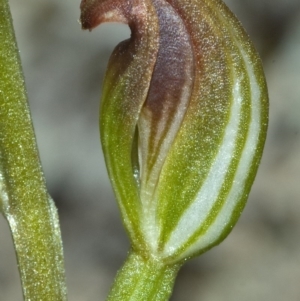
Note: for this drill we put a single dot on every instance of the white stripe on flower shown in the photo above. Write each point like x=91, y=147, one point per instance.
x=208, y=195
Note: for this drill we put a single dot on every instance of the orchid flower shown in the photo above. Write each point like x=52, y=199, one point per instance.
x=183, y=122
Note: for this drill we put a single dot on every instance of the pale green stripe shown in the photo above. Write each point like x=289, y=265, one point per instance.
x=227, y=183
x=168, y=227
x=252, y=169
x=194, y=150
x=241, y=139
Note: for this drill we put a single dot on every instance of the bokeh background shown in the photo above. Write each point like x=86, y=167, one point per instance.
x=64, y=68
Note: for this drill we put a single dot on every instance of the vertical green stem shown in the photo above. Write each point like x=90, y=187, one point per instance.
x=24, y=200
x=143, y=279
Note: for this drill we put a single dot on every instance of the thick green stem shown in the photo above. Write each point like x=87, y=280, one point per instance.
x=24, y=200
x=143, y=279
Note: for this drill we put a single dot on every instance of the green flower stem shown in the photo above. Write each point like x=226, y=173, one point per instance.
x=143, y=279
x=24, y=200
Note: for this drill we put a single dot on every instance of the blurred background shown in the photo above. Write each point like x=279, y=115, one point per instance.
x=64, y=67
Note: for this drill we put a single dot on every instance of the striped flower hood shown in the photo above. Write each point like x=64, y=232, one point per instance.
x=183, y=121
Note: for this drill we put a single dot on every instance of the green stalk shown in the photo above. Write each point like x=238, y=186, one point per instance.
x=144, y=279
x=24, y=200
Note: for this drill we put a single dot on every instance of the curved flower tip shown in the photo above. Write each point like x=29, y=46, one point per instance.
x=183, y=121
x=94, y=12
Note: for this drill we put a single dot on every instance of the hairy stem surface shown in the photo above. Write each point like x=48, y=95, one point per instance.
x=24, y=200
x=143, y=279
